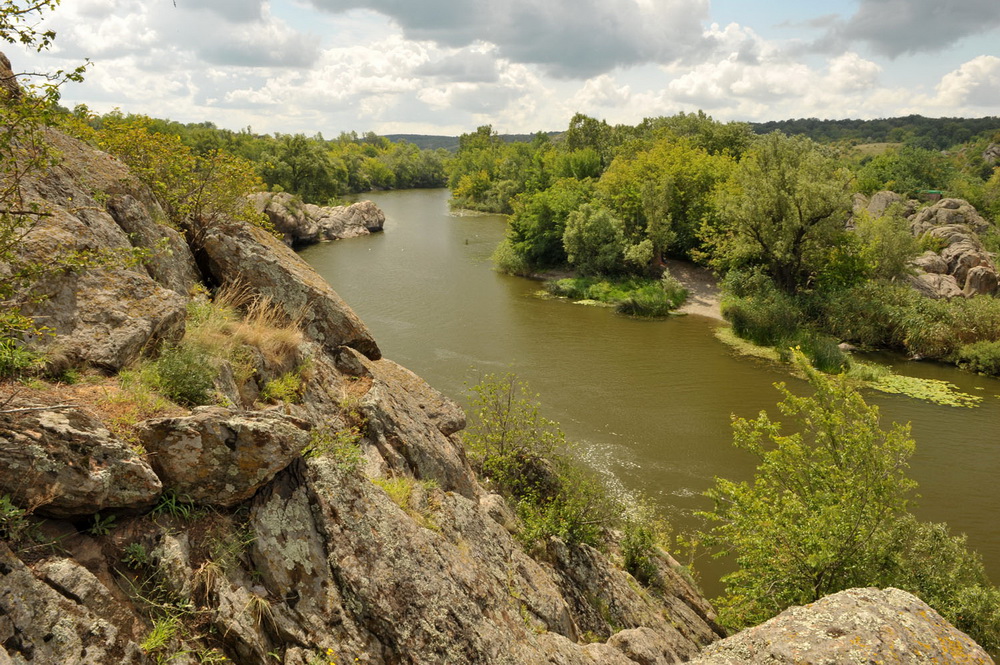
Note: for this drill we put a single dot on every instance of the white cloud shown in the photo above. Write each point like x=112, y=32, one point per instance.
x=975, y=83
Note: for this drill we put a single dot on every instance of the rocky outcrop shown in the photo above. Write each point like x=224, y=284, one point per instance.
x=962, y=267
x=992, y=153
x=103, y=317
x=233, y=251
x=304, y=223
x=63, y=463
x=218, y=457
x=948, y=212
x=853, y=626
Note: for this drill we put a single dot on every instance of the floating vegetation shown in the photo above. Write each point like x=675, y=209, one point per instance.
x=932, y=390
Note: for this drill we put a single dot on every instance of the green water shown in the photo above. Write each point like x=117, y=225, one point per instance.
x=649, y=400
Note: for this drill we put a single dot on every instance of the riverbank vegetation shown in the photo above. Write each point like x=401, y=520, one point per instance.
x=829, y=508
x=784, y=220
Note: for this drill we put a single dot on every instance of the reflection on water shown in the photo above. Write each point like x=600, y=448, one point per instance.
x=650, y=402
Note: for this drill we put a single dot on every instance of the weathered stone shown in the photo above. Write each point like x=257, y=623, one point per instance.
x=981, y=280
x=853, y=626
x=305, y=223
x=219, y=457
x=447, y=416
x=232, y=251
x=64, y=463
x=49, y=624
x=935, y=286
x=882, y=201
x=931, y=262
x=412, y=443
x=948, y=212
x=171, y=263
x=603, y=598
x=992, y=153
x=106, y=317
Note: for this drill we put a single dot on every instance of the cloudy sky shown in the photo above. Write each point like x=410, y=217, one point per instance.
x=447, y=66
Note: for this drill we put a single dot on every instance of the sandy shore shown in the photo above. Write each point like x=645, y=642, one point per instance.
x=703, y=289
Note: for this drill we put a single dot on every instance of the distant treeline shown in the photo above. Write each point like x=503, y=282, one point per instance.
x=318, y=169
x=914, y=130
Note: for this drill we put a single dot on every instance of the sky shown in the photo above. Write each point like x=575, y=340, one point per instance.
x=449, y=66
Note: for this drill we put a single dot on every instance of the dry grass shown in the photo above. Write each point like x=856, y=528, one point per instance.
x=239, y=317
x=120, y=403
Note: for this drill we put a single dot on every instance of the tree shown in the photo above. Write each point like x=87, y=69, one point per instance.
x=595, y=240
x=828, y=509
x=784, y=207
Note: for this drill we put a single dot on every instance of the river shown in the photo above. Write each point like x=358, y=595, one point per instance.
x=649, y=401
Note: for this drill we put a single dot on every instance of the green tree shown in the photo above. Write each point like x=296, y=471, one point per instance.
x=784, y=207
x=828, y=509
x=594, y=240
x=535, y=230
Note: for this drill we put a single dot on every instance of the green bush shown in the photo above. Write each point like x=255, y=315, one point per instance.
x=767, y=319
x=638, y=547
x=982, y=357
x=184, y=374
x=286, y=388
x=525, y=457
x=824, y=353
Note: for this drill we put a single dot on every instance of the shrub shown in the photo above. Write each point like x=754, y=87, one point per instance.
x=982, y=357
x=768, y=319
x=525, y=457
x=184, y=374
x=286, y=388
x=823, y=352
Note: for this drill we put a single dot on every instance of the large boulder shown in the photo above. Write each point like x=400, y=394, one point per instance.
x=63, y=463
x=220, y=457
x=853, y=626
x=948, y=212
x=304, y=223
x=105, y=316
x=61, y=618
x=233, y=251
x=992, y=153
x=409, y=423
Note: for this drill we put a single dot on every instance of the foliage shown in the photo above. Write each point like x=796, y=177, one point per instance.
x=183, y=374
x=632, y=295
x=174, y=505
x=13, y=519
x=594, y=240
x=932, y=390
x=982, y=357
x=525, y=457
x=828, y=509
x=187, y=185
x=785, y=207
x=760, y=312
x=536, y=227
x=907, y=170
x=664, y=193
x=286, y=388
x=340, y=445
